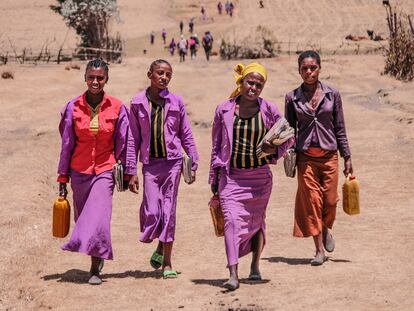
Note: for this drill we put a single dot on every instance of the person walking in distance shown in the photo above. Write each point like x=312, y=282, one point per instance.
x=182, y=48
x=207, y=43
x=181, y=27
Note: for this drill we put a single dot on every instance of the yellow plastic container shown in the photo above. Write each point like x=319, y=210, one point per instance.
x=350, y=195
x=61, y=217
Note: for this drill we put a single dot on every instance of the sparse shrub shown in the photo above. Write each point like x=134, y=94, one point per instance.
x=400, y=53
x=90, y=19
x=259, y=44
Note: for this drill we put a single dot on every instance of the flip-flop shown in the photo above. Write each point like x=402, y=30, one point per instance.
x=156, y=260
x=169, y=274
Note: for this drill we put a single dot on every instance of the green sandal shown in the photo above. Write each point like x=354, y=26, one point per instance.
x=169, y=274
x=156, y=260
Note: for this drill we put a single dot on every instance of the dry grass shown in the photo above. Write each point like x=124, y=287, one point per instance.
x=400, y=53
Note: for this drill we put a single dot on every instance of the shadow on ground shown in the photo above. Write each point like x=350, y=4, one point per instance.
x=299, y=261
x=80, y=277
x=219, y=282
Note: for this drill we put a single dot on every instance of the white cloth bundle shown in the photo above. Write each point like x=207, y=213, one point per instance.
x=280, y=132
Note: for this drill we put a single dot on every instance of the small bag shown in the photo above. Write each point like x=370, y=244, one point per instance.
x=186, y=170
x=350, y=195
x=61, y=217
x=118, y=173
x=217, y=215
x=289, y=162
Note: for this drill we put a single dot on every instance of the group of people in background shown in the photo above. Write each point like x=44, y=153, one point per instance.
x=98, y=130
x=193, y=42
x=228, y=7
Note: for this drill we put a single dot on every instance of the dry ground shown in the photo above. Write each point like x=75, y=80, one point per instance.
x=371, y=269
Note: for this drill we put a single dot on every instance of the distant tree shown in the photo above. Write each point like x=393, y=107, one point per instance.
x=90, y=19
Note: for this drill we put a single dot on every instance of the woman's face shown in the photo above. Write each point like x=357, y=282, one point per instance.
x=252, y=85
x=160, y=76
x=309, y=70
x=96, y=79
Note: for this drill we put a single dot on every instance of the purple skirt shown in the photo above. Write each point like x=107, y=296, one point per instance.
x=157, y=213
x=244, y=194
x=92, y=200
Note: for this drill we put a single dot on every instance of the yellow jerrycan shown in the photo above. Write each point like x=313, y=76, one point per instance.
x=350, y=195
x=61, y=217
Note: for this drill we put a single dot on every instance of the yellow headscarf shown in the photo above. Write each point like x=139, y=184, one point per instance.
x=242, y=71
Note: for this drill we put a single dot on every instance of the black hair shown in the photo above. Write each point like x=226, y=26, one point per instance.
x=98, y=63
x=157, y=62
x=311, y=54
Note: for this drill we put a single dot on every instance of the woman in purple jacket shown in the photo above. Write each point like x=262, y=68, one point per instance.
x=314, y=110
x=160, y=128
x=95, y=135
x=244, y=181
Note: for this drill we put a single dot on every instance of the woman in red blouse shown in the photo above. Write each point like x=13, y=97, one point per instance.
x=95, y=135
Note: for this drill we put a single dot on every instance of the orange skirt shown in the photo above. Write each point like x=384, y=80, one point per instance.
x=317, y=194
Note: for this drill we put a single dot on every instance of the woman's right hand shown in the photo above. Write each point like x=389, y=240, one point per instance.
x=133, y=184
x=63, y=191
x=214, y=188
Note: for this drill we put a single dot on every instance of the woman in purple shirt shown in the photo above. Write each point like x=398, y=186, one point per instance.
x=237, y=174
x=160, y=128
x=314, y=110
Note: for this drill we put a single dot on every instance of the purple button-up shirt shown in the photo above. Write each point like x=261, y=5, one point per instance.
x=222, y=134
x=177, y=129
x=324, y=128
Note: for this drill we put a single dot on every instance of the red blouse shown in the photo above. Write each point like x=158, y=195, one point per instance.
x=94, y=152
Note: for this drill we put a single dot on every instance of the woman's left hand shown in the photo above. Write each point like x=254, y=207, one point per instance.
x=348, y=166
x=193, y=177
x=133, y=184
x=269, y=148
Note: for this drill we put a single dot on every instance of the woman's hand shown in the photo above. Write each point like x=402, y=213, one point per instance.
x=193, y=177
x=133, y=184
x=63, y=191
x=348, y=166
x=269, y=148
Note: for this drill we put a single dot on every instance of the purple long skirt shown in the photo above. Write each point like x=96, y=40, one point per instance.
x=244, y=195
x=92, y=200
x=157, y=213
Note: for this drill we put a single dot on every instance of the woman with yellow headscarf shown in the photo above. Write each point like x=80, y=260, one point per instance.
x=242, y=179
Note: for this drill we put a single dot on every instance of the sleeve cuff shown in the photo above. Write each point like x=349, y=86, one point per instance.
x=63, y=179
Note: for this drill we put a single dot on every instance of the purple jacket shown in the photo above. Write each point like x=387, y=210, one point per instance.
x=222, y=134
x=177, y=130
x=122, y=140
x=327, y=122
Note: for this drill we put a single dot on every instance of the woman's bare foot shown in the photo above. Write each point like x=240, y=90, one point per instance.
x=231, y=284
x=319, y=259
x=254, y=273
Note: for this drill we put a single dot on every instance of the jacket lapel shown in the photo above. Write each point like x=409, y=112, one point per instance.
x=228, y=114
